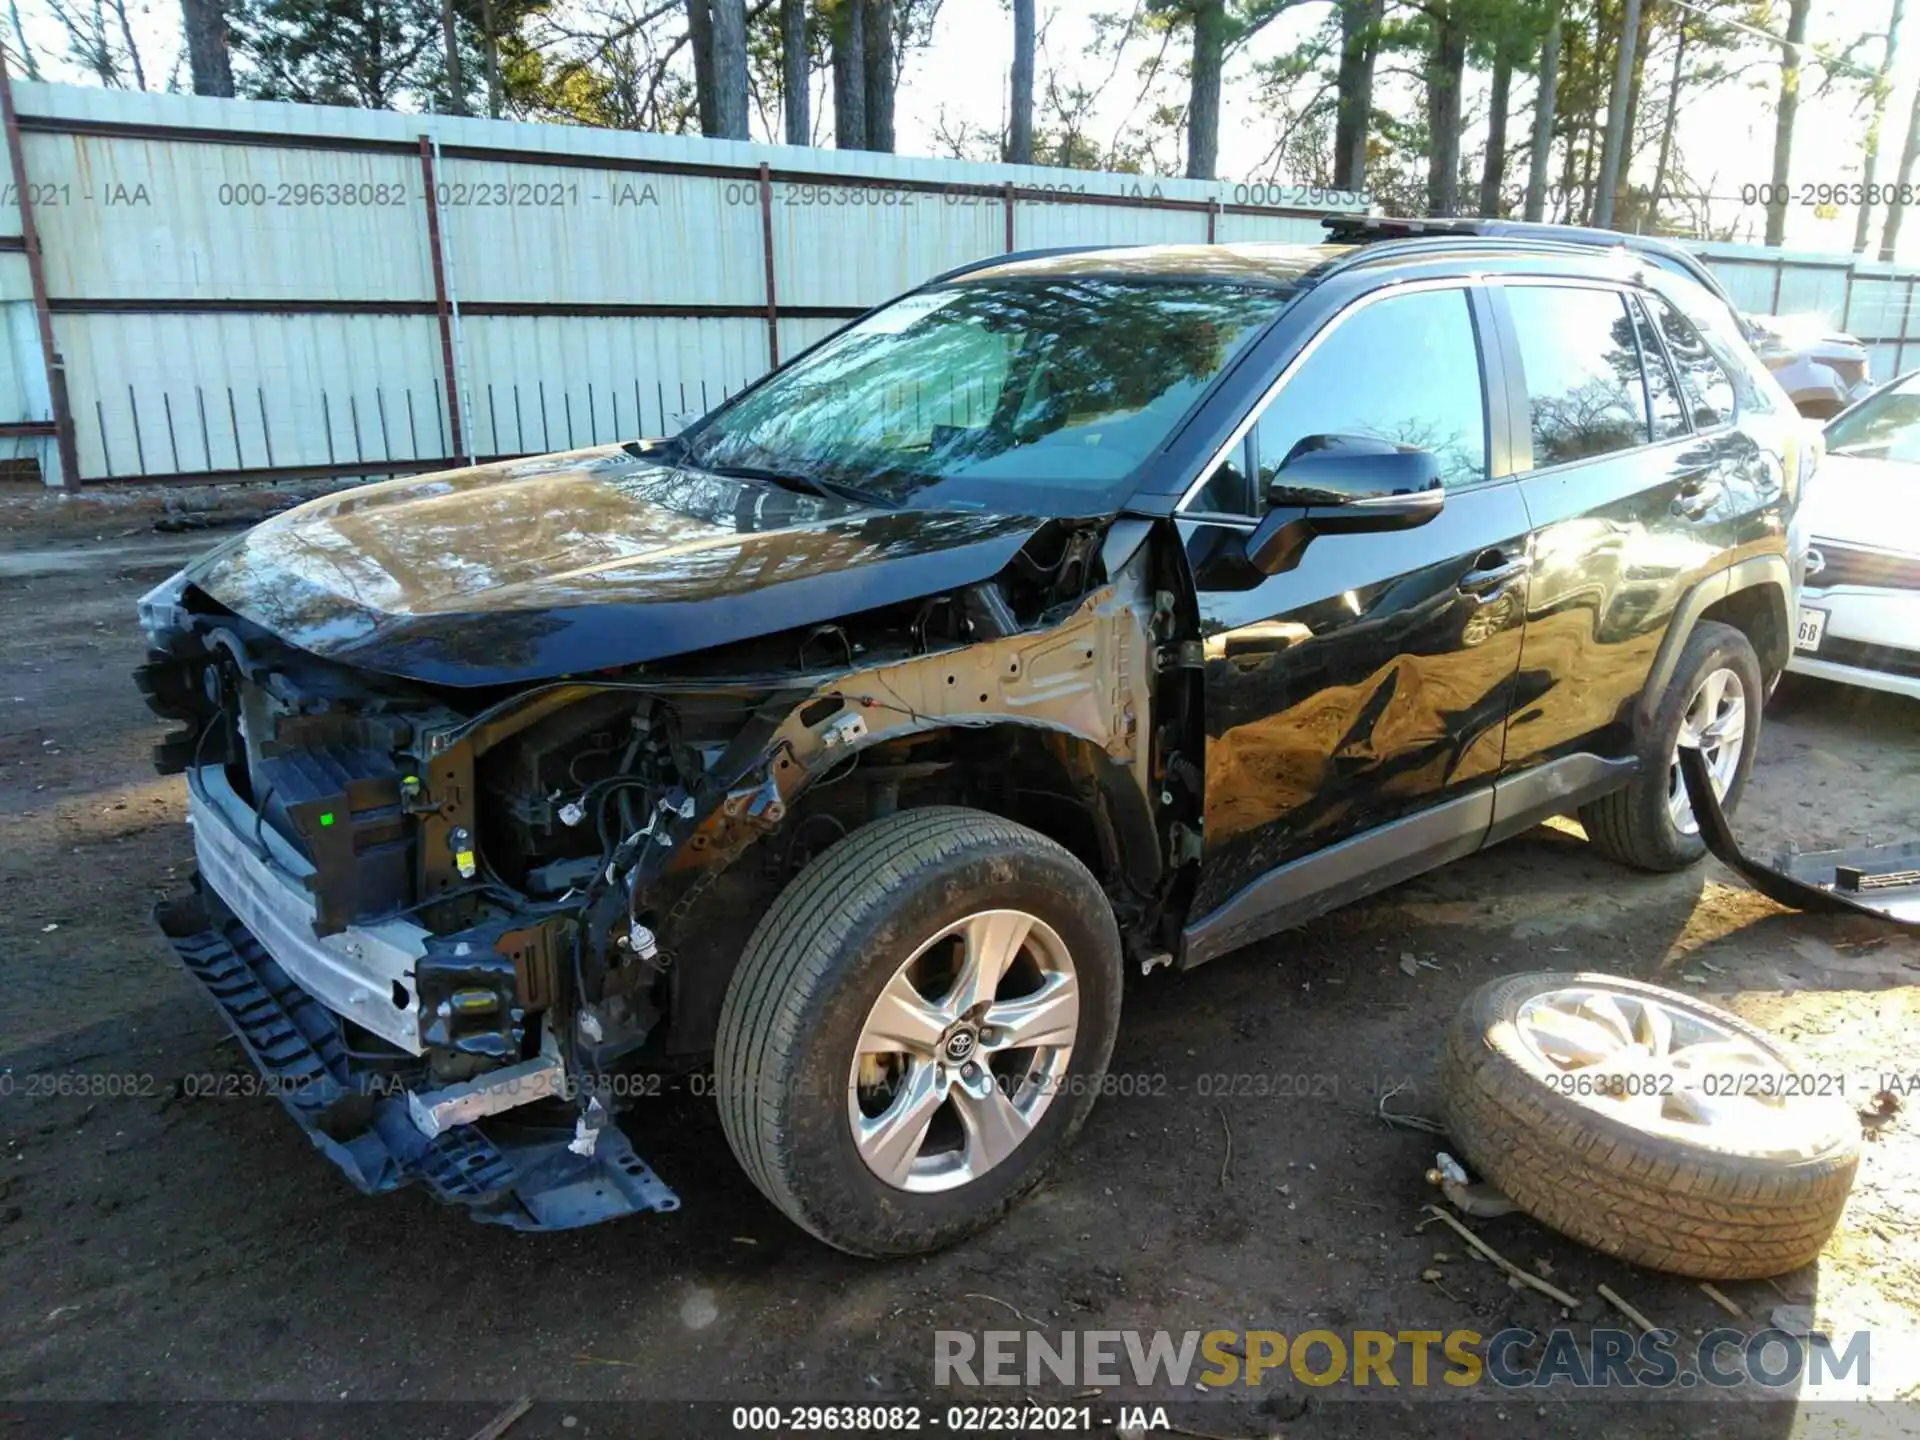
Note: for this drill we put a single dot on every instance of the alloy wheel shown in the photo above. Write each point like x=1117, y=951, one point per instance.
x=1670, y=1070
x=963, y=1051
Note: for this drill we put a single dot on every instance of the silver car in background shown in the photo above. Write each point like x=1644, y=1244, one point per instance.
x=1859, y=620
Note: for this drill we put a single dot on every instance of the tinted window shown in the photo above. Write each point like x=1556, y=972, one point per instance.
x=1669, y=419
x=1406, y=370
x=1584, y=390
x=1704, y=383
x=1036, y=396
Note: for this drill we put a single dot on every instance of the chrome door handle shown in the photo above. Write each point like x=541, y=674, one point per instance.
x=1700, y=490
x=1480, y=582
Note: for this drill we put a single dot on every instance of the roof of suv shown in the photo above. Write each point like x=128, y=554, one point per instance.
x=1294, y=265
x=1672, y=257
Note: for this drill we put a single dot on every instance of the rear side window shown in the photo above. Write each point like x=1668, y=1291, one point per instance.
x=1584, y=390
x=1405, y=369
x=1669, y=420
x=1704, y=382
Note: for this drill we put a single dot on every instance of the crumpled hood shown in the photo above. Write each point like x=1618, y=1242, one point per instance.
x=563, y=564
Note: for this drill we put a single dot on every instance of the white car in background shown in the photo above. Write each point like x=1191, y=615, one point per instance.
x=1859, y=620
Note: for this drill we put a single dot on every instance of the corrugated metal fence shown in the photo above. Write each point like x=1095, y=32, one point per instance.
x=241, y=290
x=244, y=290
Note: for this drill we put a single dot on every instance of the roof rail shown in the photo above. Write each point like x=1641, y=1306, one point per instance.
x=1398, y=247
x=989, y=261
x=1363, y=228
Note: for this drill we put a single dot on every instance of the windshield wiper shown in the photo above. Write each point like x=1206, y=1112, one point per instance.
x=800, y=484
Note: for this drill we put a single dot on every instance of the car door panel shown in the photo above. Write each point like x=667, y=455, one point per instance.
x=1610, y=562
x=1619, y=536
x=1370, y=683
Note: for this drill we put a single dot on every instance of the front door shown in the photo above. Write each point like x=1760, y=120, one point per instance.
x=1356, y=704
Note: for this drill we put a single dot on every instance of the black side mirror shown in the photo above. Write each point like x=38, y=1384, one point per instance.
x=1343, y=485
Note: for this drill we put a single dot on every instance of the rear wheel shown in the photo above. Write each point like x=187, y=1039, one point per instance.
x=1713, y=702
x=917, y=1028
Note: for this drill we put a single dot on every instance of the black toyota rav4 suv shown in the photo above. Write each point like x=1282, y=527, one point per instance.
x=1077, y=611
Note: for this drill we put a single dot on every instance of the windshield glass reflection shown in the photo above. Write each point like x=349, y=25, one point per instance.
x=1040, y=395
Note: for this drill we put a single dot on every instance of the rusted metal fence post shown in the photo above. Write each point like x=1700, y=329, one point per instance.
x=766, y=251
x=440, y=297
x=37, y=276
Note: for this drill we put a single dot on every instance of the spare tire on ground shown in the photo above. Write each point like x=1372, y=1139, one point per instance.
x=1649, y=1124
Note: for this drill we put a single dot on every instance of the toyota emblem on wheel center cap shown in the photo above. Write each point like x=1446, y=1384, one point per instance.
x=959, y=1047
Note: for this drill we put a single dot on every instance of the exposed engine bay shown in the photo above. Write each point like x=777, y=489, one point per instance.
x=515, y=893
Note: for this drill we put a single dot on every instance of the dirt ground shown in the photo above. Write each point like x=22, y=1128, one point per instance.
x=196, y=1251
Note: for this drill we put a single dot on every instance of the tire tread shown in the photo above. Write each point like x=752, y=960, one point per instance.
x=1643, y=1198
x=788, y=962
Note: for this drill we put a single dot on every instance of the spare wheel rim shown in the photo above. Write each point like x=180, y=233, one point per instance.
x=1668, y=1069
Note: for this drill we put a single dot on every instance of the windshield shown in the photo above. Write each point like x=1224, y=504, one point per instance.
x=1038, y=396
x=1885, y=426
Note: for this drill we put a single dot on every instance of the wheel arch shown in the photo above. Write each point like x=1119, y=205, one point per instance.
x=1751, y=595
x=1044, y=776
x=1109, y=823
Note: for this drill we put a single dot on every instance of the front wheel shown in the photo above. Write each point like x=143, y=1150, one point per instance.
x=917, y=1028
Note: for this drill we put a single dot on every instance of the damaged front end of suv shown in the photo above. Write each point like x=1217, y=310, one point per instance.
x=502, y=779
x=479, y=844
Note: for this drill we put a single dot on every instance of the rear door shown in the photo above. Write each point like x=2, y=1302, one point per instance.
x=1362, y=696
x=1629, y=505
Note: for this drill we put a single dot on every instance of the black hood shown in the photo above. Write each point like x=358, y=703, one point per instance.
x=565, y=564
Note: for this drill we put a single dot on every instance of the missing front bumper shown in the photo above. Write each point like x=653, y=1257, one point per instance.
x=505, y=1173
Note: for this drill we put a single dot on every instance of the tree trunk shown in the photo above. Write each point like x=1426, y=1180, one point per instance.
x=1359, y=43
x=1493, y=172
x=706, y=102
x=1020, y=110
x=849, y=36
x=795, y=73
x=879, y=74
x=1446, y=67
x=1870, y=150
x=1785, y=110
x=207, y=54
x=1589, y=155
x=729, y=69
x=132, y=46
x=1668, y=123
x=491, y=40
x=1543, y=107
x=1568, y=206
x=1909, y=155
x=450, y=37
x=1617, y=105
x=1642, y=37
x=1203, y=103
